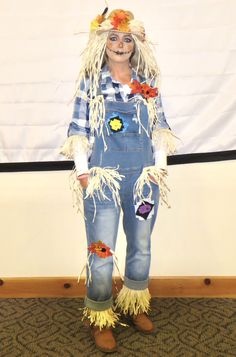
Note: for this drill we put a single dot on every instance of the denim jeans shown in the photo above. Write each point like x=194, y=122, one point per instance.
x=129, y=149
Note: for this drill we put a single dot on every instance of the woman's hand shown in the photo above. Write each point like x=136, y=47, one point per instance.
x=83, y=179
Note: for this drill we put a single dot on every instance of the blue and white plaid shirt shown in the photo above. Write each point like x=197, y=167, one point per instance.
x=111, y=90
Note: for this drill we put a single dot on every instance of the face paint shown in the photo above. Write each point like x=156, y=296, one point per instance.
x=120, y=46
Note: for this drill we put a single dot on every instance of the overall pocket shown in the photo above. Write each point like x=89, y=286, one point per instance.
x=122, y=132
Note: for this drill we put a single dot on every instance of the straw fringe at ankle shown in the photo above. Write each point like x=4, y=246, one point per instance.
x=101, y=319
x=133, y=302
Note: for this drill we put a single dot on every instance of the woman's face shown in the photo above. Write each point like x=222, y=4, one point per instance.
x=120, y=46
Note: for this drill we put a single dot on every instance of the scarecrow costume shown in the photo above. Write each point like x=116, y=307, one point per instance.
x=120, y=136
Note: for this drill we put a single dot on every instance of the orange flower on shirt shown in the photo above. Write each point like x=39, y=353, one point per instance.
x=144, y=89
x=101, y=249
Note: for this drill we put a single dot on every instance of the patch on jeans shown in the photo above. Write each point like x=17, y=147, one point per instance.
x=116, y=123
x=144, y=209
x=100, y=249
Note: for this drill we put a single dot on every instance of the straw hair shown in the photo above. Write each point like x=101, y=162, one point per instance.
x=144, y=62
x=92, y=60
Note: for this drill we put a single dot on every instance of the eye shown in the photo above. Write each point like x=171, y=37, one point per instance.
x=113, y=38
x=128, y=39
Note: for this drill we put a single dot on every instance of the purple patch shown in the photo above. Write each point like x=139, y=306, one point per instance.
x=144, y=209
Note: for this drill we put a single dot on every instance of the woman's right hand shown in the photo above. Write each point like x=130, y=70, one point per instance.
x=83, y=179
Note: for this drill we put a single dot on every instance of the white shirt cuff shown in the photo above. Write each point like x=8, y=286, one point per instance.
x=160, y=159
x=81, y=161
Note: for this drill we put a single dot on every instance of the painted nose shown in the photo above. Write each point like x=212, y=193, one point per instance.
x=120, y=44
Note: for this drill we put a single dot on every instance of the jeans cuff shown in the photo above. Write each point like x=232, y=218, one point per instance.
x=136, y=285
x=98, y=305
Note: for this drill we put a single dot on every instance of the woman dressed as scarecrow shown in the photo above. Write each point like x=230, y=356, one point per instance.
x=119, y=139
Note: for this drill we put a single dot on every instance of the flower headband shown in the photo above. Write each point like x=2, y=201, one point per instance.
x=118, y=20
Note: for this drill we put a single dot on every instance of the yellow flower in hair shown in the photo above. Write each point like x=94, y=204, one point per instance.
x=96, y=22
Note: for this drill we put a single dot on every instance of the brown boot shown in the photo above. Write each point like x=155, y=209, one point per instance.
x=143, y=324
x=104, y=339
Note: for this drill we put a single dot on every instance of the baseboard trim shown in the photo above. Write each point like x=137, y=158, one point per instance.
x=166, y=286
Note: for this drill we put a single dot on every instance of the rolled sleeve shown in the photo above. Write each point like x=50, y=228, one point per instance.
x=161, y=122
x=79, y=124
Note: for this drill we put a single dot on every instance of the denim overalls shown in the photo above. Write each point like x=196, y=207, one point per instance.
x=129, y=149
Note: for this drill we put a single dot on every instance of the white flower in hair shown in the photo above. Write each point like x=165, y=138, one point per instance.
x=106, y=25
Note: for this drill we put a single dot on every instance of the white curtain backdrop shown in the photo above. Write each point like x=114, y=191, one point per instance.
x=195, y=43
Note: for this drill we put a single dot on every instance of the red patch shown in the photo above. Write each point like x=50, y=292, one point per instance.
x=101, y=249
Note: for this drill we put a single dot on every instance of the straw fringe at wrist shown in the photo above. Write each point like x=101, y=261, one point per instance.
x=159, y=175
x=164, y=139
x=105, y=318
x=133, y=302
x=99, y=179
x=74, y=143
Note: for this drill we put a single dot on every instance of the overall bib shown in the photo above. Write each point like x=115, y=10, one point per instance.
x=129, y=150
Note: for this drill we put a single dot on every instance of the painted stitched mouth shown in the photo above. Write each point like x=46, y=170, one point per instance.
x=120, y=53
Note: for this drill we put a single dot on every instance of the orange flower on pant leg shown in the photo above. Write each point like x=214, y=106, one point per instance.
x=101, y=249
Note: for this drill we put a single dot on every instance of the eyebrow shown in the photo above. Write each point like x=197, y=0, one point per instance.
x=115, y=34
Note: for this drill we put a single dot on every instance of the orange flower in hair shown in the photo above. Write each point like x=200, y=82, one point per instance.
x=100, y=249
x=120, y=20
x=118, y=17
